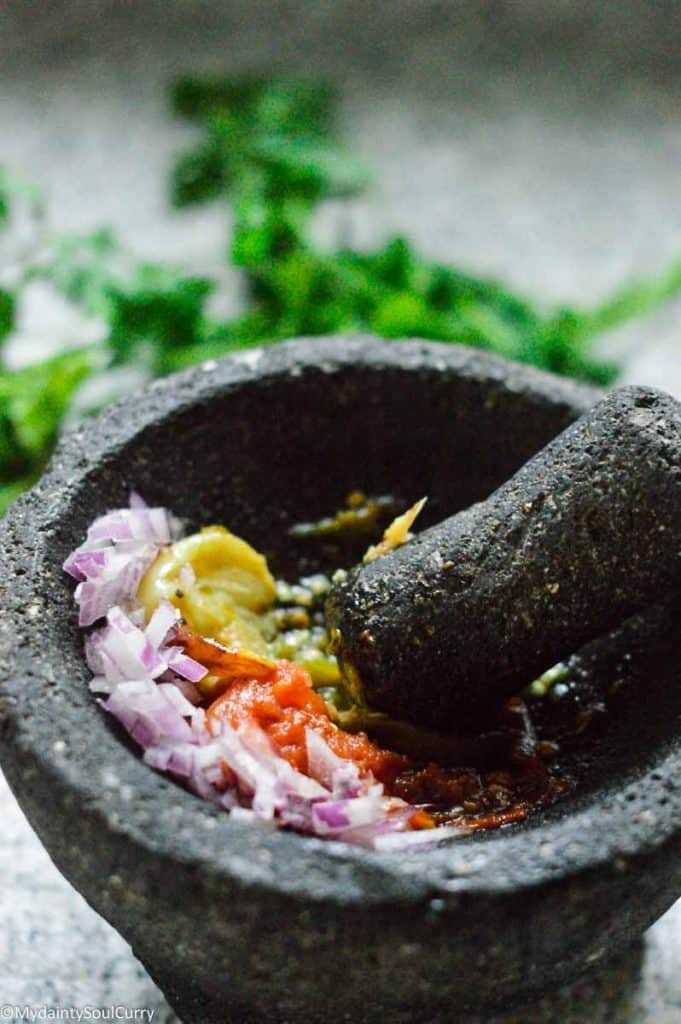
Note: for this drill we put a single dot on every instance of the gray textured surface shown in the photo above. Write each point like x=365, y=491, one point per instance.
x=537, y=141
x=582, y=537
x=474, y=923
x=54, y=950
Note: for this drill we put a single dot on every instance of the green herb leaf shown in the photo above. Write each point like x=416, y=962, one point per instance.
x=7, y=314
x=160, y=313
x=274, y=105
x=33, y=402
x=199, y=176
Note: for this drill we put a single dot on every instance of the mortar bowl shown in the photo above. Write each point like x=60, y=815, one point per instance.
x=242, y=924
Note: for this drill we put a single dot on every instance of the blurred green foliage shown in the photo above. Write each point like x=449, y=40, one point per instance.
x=32, y=405
x=269, y=148
x=7, y=313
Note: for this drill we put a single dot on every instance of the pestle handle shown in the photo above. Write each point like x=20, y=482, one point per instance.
x=470, y=611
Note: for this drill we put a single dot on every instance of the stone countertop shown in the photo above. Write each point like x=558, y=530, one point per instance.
x=537, y=142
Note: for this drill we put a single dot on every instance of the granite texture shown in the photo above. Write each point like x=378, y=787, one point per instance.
x=480, y=923
x=536, y=141
x=55, y=951
x=581, y=537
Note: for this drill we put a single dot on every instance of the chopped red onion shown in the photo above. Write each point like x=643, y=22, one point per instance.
x=100, y=684
x=129, y=650
x=164, y=618
x=148, y=681
x=183, y=665
x=149, y=525
x=119, y=548
x=122, y=651
x=341, y=777
x=137, y=501
x=188, y=689
x=175, y=696
x=93, y=653
x=147, y=713
x=364, y=835
x=115, y=580
x=419, y=837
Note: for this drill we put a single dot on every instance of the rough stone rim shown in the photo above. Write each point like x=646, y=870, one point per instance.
x=498, y=863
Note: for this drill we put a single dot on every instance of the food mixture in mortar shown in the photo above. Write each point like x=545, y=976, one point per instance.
x=226, y=678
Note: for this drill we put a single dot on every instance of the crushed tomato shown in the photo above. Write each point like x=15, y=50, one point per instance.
x=284, y=704
x=279, y=697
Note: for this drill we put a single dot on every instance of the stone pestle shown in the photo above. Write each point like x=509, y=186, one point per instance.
x=443, y=629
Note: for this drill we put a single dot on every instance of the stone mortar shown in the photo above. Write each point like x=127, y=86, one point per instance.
x=241, y=925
